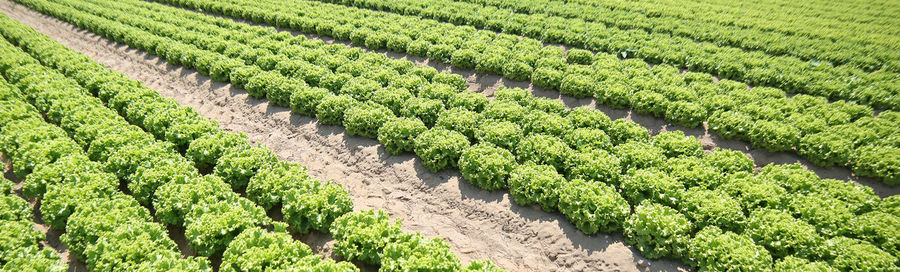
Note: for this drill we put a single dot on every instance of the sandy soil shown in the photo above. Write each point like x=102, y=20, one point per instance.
x=478, y=224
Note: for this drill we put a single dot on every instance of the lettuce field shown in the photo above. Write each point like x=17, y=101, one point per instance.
x=464, y=135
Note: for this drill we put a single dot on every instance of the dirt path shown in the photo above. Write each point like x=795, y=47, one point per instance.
x=478, y=224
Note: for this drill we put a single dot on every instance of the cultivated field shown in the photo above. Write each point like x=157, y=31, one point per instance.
x=471, y=135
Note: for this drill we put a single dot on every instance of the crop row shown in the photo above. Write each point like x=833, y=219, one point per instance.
x=593, y=174
x=825, y=20
x=20, y=242
x=765, y=117
x=793, y=19
x=103, y=224
x=213, y=215
x=549, y=20
x=520, y=59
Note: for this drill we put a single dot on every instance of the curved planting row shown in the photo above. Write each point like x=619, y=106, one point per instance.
x=216, y=219
x=667, y=196
x=551, y=22
x=504, y=53
x=852, y=52
x=791, y=18
x=20, y=243
x=102, y=224
x=765, y=117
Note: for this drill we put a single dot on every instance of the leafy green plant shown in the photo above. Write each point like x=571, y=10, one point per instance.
x=330, y=110
x=890, y=205
x=26, y=258
x=500, y=133
x=464, y=58
x=730, y=124
x=694, y=171
x=639, y=155
x=459, y=120
x=539, y=122
x=398, y=135
x=392, y=98
x=315, y=207
x=93, y=220
x=729, y=161
x=437, y=91
x=621, y=131
x=878, y=228
x=675, y=144
x=175, y=199
x=14, y=208
x=504, y=111
x=146, y=179
x=594, y=165
x=360, y=88
x=221, y=69
x=650, y=103
x=847, y=254
x=306, y=100
x=657, y=230
x=6, y=186
x=878, y=161
x=593, y=206
x=258, y=85
x=582, y=117
x=363, y=235
x=713, y=249
x=828, y=215
x=486, y=165
x=577, y=86
x=712, y=208
x=414, y=252
x=754, y=192
x=238, y=164
x=424, y=109
x=241, y=75
x=546, y=77
x=791, y=263
x=211, y=226
x=440, y=148
x=468, y=100
x=129, y=246
x=536, y=184
x=579, y=56
x=587, y=139
x=651, y=184
x=517, y=70
x=258, y=249
x=772, y=136
x=366, y=119
x=268, y=187
x=484, y=266
x=548, y=105
x=455, y=81
x=64, y=170
x=61, y=200
x=792, y=177
x=782, y=234
x=18, y=234
x=206, y=150
x=543, y=149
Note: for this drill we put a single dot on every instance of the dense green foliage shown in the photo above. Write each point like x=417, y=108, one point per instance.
x=483, y=35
